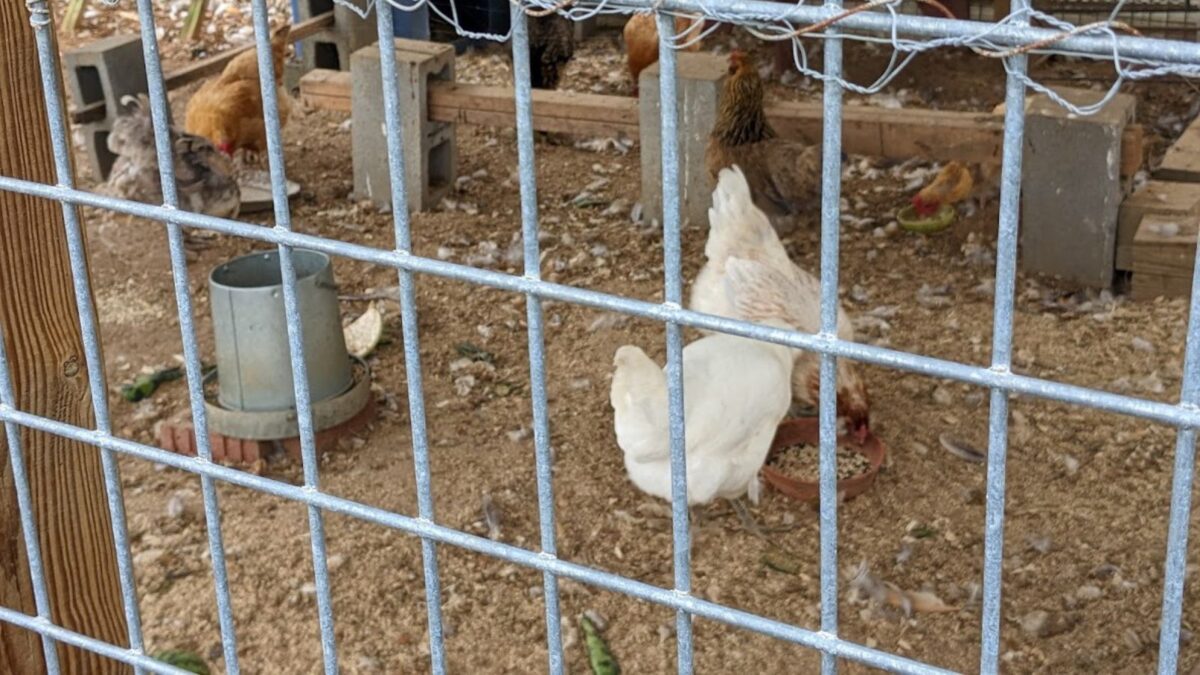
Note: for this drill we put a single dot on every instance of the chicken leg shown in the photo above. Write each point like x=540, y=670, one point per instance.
x=748, y=523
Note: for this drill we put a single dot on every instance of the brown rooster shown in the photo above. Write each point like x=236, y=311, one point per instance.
x=228, y=110
x=784, y=176
x=551, y=46
x=641, y=41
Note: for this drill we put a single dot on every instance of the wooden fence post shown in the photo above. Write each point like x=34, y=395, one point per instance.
x=45, y=350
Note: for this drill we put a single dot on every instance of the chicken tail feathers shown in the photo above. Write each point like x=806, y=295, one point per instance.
x=735, y=223
x=639, y=402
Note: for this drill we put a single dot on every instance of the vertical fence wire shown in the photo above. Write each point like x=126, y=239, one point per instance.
x=295, y=332
x=409, y=331
x=160, y=116
x=1002, y=335
x=831, y=196
x=1175, y=565
x=1016, y=67
x=537, y=349
x=90, y=333
x=673, y=295
x=33, y=549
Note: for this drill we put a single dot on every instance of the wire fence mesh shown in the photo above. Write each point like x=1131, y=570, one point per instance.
x=1010, y=39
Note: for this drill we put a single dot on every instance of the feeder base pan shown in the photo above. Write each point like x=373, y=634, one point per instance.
x=277, y=424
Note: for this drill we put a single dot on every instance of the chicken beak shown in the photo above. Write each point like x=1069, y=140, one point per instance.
x=861, y=432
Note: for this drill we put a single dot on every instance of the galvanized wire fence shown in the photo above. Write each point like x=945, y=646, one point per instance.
x=1010, y=39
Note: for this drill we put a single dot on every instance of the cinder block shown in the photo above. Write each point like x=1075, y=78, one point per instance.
x=95, y=147
x=293, y=71
x=104, y=71
x=1071, y=187
x=430, y=154
x=586, y=28
x=333, y=47
x=701, y=77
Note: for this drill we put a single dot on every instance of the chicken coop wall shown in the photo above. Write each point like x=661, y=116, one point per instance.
x=1006, y=40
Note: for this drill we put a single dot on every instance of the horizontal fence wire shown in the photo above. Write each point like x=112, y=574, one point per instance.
x=1009, y=39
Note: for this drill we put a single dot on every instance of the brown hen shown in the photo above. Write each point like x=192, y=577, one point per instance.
x=228, y=110
x=784, y=176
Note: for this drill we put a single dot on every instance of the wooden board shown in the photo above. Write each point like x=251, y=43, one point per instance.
x=1164, y=254
x=45, y=352
x=894, y=133
x=325, y=90
x=555, y=111
x=1182, y=161
x=1177, y=200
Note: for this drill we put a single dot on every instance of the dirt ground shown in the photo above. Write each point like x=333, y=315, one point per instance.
x=1088, y=492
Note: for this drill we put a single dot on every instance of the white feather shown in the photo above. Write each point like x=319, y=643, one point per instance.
x=738, y=390
x=738, y=228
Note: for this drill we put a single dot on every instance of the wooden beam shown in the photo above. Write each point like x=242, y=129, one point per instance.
x=206, y=67
x=1164, y=253
x=45, y=351
x=215, y=64
x=555, y=111
x=1182, y=161
x=194, y=22
x=881, y=132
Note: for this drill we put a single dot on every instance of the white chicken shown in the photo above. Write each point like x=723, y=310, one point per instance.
x=737, y=392
x=738, y=228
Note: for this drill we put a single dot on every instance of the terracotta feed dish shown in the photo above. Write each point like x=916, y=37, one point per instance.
x=804, y=431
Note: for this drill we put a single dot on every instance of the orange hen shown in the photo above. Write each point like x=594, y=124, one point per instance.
x=228, y=110
x=973, y=187
x=641, y=41
x=952, y=185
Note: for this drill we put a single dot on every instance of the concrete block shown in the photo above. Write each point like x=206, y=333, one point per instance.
x=586, y=28
x=430, y=154
x=332, y=48
x=293, y=70
x=701, y=77
x=1071, y=187
x=104, y=71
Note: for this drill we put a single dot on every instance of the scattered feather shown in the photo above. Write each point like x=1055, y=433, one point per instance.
x=960, y=449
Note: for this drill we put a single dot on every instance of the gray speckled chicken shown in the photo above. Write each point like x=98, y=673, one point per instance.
x=204, y=178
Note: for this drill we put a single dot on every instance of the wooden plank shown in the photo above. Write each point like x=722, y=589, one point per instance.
x=1178, y=200
x=325, y=89
x=1147, y=287
x=1182, y=161
x=215, y=64
x=325, y=82
x=45, y=352
x=194, y=22
x=206, y=67
x=1164, y=254
x=73, y=17
x=866, y=130
x=604, y=111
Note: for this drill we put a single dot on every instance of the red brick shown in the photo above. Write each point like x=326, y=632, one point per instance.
x=179, y=437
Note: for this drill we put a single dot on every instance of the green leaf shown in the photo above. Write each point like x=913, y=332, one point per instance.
x=599, y=657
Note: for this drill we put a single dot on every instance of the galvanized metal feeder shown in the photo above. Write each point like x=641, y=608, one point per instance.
x=255, y=396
